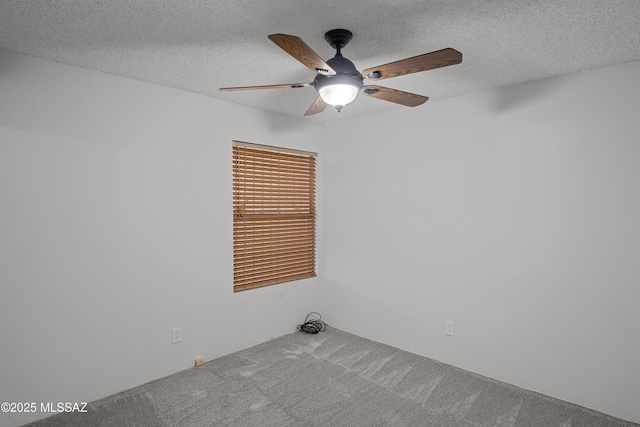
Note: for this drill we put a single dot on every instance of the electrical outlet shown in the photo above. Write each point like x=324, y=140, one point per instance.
x=448, y=327
x=176, y=335
x=199, y=360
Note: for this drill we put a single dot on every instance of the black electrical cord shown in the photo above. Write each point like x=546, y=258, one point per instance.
x=313, y=325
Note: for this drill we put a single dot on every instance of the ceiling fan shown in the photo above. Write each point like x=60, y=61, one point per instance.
x=338, y=82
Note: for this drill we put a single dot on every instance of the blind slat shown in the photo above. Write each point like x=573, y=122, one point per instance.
x=273, y=257
x=273, y=269
x=245, y=286
x=252, y=217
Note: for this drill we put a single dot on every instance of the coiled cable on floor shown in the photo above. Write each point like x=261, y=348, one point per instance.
x=313, y=324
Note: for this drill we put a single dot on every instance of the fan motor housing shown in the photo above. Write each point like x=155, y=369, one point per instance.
x=346, y=72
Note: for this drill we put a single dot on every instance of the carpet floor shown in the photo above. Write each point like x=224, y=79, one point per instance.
x=330, y=379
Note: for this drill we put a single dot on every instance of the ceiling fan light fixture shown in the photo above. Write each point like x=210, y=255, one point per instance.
x=338, y=81
x=338, y=95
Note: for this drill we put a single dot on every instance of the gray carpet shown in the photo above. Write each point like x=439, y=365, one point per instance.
x=330, y=379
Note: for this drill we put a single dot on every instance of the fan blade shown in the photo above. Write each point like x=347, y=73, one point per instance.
x=394, y=95
x=318, y=106
x=284, y=86
x=295, y=47
x=415, y=64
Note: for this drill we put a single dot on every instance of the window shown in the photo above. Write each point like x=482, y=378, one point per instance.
x=274, y=215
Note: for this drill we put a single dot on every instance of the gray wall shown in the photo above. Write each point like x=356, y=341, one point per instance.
x=115, y=227
x=511, y=212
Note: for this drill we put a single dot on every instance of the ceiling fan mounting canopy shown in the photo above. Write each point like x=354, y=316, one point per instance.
x=338, y=81
x=338, y=38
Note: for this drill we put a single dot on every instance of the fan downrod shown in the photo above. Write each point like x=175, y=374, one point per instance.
x=338, y=38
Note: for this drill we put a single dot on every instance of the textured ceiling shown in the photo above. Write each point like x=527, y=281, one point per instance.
x=201, y=45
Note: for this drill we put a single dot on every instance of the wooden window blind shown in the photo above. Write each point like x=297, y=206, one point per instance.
x=274, y=215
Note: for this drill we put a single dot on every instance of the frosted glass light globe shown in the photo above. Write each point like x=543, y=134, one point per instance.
x=338, y=95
